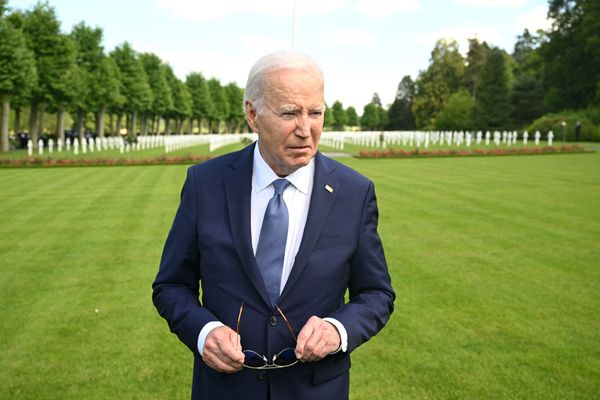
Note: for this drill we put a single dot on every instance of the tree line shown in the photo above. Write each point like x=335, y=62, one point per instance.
x=45, y=72
x=550, y=78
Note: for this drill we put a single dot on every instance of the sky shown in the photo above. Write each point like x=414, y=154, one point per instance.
x=362, y=46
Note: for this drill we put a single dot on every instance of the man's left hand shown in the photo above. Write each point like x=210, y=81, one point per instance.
x=317, y=339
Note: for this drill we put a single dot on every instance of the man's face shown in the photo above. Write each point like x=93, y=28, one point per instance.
x=290, y=123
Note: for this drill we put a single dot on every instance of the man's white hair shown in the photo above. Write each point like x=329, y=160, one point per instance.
x=255, y=86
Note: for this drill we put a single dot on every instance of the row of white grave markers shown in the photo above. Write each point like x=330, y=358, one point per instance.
x=214, y=141
x=92, y=145
x=170, y=143
x=427, y=138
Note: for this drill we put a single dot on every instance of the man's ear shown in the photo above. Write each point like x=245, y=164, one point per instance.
x=251, y=115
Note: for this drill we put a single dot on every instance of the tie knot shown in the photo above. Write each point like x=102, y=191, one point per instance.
x=280, y=185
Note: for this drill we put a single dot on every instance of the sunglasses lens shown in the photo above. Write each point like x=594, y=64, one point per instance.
x=254, y=360
x=285, y=358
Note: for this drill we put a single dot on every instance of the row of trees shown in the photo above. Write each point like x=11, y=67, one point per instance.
x=45, y=71
x=547, y=72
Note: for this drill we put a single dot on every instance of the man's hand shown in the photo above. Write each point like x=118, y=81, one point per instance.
x=223, y=351
x=316, y=340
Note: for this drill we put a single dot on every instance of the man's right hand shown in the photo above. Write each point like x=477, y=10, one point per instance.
x=223, y=350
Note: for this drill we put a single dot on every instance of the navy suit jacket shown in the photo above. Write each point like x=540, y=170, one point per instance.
x=209, y=245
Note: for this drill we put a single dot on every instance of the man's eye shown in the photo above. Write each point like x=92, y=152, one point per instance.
x=288, y=114
x=316, y=113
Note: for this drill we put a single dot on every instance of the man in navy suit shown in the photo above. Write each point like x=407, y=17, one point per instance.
x=276, y=235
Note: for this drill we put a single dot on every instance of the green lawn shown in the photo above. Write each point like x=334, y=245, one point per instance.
x=495, y=261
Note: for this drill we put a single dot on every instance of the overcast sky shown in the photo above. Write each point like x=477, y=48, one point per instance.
x=363, y=46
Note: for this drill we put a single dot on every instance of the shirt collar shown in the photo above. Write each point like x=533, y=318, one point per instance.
x=263, y=175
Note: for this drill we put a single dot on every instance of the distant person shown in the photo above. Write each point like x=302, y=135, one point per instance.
x=274, y=235
x=577, y=131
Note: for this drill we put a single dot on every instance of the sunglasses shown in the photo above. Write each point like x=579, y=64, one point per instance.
x=285, y=358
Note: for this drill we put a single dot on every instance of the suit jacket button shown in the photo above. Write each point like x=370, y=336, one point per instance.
x=273, y=321
x=263, y=375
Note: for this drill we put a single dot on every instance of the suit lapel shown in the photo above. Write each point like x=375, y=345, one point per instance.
x=322, y=197
x=238, y=186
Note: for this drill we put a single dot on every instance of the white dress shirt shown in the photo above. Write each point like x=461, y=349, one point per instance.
x=297, y=200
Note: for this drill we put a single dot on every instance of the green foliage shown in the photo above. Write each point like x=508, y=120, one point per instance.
x=572, y=54
x=17, y=64
x=457, y=113
x=476, y=58
x=162, y=99
x=219, y=101
x=493, y=101
x=352, y=117
x=134, y=81
x=202, y=106
x=235, y=99
x=339, y=116
x=54, y=53
x=400, y=115
x=369, y=121
x=526, y=100
x=435, y=85
x=589, y=119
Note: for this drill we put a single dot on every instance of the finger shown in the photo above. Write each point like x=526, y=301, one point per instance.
x=230, y=351
x=312, y=344
x=303, y=337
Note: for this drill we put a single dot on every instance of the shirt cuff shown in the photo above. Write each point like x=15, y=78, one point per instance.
x=343, y=334
x=204, y=333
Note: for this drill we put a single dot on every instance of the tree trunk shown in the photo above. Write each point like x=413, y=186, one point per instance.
x=167, y=123
x=4, y=124
x=127, y=124
x=111, y=126
x=133, y=122
x=40, y=118
x=32, y=129
x=80, y=125
x=191, y=125
x=60, y=124
x=17, y=124
x=199, y=125
x=100, y=122
x=118, y=128
x=144, y=124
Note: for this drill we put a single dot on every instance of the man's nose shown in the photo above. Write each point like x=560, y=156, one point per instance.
x=302, y=126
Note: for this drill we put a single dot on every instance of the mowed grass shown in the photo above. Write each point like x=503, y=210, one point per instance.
x=495, y=262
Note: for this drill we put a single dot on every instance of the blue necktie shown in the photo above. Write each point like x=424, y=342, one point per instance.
x=271, y=242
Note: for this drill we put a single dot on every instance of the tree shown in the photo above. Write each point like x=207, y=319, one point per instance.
x=17, y=72
x=475, y=61
x=339, y=116
x=202, y=107
x=220, y=104
x=457, y=113
x=493, y=103
x=572, y=54
x=235, y=99
x=54, y=56
x=352, y=117
x=162, y=97
x=370, y=118
x=400, y=115
x=435, y=85
x=134, y=83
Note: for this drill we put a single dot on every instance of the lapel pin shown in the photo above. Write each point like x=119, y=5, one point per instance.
x=329, y=188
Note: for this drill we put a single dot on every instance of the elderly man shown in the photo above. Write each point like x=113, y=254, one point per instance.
x=275, y=234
